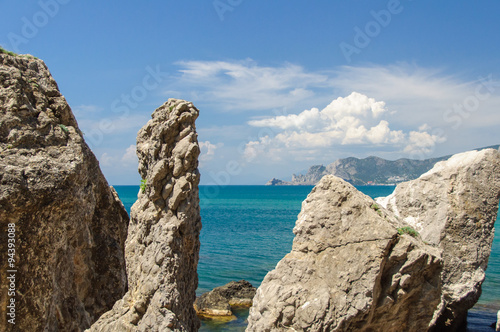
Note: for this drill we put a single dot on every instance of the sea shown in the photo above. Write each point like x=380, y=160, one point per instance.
x=248, y=229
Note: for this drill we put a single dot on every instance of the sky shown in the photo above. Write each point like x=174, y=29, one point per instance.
x=281, y=85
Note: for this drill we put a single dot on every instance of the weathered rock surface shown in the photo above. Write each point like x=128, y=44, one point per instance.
x=349, y=270
x=218, y=302
x=454, y=206
x=70, y=226
x=163, y=240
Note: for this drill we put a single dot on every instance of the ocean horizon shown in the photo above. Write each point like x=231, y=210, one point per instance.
x=247, y=229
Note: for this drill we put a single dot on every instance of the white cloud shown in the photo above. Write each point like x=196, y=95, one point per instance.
x=106, y=160
x=208, y=150
x=422, y=143
x=424, y=93
x=245, y=86
x=130, y=156
x=351, y=120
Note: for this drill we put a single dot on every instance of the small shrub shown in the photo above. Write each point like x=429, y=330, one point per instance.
x=408, y=230
x=375, y=206
x=143, y=185
x=64, y=128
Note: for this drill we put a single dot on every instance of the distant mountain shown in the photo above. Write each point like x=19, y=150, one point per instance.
x=367, y=171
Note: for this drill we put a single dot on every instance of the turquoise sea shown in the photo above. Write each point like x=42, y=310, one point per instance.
x=248, y=229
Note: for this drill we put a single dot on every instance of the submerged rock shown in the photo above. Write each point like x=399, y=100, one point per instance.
x=218, y=302
x=349, y=269
x=454, y=206
x=69, y=225
x=163, y=244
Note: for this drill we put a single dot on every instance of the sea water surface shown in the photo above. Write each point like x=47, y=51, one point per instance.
x=248, y=229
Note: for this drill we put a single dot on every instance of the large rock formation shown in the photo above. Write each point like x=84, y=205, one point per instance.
x=352, y=267
x=70, y=226
x=454, y=206
x=163, y=240
x=349, y=270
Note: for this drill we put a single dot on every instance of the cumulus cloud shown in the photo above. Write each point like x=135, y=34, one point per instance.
x=208, y=150
x=351, y=120
x=106, y=160
x=130, y=156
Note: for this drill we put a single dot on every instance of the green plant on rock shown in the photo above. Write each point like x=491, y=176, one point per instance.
x=2, y=50
x=64, y=128
x=375, y=207
x=143, y=185
x=408, y=230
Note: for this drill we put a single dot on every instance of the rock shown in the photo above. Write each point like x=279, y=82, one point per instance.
x=163, y=244
x=70, y=226
x=454, y=206
x=276, y=182
x=348, y=270
x=497, y=326
x=218, y=302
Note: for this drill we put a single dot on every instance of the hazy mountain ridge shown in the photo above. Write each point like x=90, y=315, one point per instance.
x=367, y=171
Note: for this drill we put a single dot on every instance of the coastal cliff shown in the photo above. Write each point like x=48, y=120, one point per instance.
x=163, y=244
x=355, y=265
x=366, y=171
x=62, y=225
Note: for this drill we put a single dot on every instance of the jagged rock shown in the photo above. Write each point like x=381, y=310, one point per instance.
x=349, y=270
x=218, y=302
x=454, y=206
x=163, y=240
x=70, y=226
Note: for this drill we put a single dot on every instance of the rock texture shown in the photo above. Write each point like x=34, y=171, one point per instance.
x=349, y=270
x=70, y=226
x=454, y=206
x=218, y=302
x=163, y=240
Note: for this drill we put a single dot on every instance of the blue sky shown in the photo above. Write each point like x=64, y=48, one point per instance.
x=281, y=85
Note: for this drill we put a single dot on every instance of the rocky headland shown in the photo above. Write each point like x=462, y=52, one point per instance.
x=356, y=265
x=66, y=225
x=367, y=171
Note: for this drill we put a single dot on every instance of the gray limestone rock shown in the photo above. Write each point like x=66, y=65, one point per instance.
x=454, y=206
x=163, y=240
x=70, y=226
x=349, y=270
